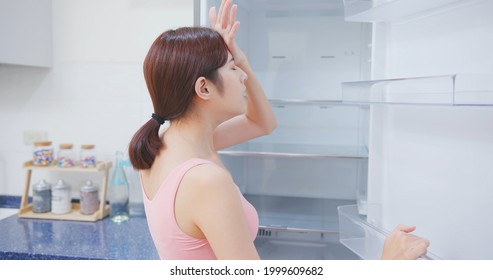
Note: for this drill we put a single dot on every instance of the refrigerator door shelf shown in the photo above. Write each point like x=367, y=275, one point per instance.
x=394, y=10
x=364, y=238
x=448, y=90
x=297, y=150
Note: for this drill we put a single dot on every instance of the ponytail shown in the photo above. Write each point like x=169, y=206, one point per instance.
x=145, y=145
x=175, y=61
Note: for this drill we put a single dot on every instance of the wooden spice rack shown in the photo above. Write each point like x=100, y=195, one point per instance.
x=25, y=210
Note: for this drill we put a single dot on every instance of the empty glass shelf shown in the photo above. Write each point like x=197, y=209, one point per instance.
x=281, y=102
x=296, y=150
x=297, y=214
x=458, y=89
x=391, y=10
x=283, y=245
x=363, y=238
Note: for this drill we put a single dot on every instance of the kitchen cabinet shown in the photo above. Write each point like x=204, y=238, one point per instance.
x=26, y=32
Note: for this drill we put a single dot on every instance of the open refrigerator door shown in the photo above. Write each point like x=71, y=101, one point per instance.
x=431, y=142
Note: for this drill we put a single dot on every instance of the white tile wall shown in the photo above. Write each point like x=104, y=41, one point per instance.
x=95, y=92
x=7, y=212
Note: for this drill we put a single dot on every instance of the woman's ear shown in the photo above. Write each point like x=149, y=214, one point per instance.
x=202, y=88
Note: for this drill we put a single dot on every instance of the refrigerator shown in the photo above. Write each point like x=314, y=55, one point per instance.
x=385, y=112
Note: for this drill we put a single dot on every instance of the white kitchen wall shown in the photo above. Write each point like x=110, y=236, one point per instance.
x=95, y=92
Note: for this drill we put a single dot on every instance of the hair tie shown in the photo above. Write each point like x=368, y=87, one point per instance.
x=160, y=120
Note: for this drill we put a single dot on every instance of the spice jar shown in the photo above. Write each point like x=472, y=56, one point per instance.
x=66, y=156
x=61, y=202
x=42, y=197
x=42, y=153
x=89, y=200
x=87, y=156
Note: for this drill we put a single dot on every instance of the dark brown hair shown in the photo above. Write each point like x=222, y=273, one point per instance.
x=176, y=59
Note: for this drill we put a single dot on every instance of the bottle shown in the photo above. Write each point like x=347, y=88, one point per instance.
x=89, y=198
x=42, y=153
x=119, y=192
x=61, y=202
x=66, y=156
x=42, y=197
x=87, y=156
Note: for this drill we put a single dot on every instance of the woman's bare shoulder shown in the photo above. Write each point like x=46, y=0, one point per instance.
x=208, y=188
x=208, y=176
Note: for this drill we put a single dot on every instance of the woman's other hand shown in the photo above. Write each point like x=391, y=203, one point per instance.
x=402, y=245
x=226, y=24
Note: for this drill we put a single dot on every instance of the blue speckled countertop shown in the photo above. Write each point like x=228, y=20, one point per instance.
x=8, y=201
x=22, y=238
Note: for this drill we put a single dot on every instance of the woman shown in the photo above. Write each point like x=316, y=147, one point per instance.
x=201, y=82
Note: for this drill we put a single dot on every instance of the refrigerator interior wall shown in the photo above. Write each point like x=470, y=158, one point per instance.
x=317, y=158
x=301, y=49
x=430, y=166
x=436, y=166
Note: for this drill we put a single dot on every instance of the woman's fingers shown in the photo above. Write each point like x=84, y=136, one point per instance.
x=225, y=18
x=224, y=12
x=212, y=16
x=235, y=27
x=220, y=12
x=418, y=247
x=401, y=244
x=224, y=22
x=232, y=14
x=405, y=228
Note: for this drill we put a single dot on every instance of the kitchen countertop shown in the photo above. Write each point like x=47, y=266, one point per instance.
x=23, y=238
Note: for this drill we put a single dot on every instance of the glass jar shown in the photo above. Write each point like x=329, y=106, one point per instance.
x=42, y=197
x=42, y=153
x=66, y=156
x=89, y=198
x=87, y=157
x=61, y=202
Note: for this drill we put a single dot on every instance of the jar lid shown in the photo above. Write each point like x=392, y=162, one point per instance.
x=66, y=146
x=42, y=185
x=89, y=187
x=87, y=146
x=42, y=143
x=61, y=185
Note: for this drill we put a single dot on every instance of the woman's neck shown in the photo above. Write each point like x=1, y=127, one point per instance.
x=192, y=135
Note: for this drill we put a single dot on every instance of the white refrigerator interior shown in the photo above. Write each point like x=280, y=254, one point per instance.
x=385, y=112
x=317, y=158
x=431, y=132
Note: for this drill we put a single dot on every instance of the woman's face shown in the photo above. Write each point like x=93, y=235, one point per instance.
x=233, y=87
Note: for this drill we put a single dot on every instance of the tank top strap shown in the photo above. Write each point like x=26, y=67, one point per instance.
x=172, y=182
x=175, y=177
x=184, y=167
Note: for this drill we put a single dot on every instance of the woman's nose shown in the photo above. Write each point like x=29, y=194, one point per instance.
x=243, y=76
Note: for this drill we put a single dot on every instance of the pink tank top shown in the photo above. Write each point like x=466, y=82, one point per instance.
x=170, y=241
